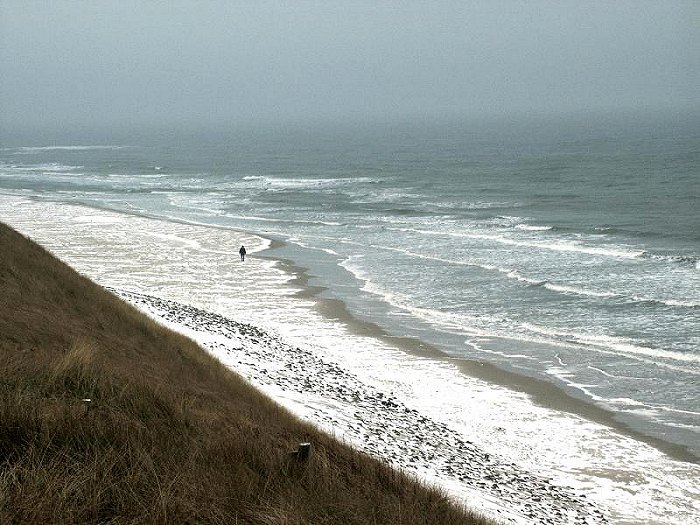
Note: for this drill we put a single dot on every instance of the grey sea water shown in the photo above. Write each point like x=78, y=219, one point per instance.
x=564, y=249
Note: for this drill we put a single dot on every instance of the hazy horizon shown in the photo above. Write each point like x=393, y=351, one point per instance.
x=81, y=64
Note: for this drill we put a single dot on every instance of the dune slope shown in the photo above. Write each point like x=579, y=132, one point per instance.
x=169, y=435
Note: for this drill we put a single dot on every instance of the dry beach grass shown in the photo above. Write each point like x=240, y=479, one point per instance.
x=169, y=434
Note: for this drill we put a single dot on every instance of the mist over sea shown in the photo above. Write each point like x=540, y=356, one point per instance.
x=564, y=249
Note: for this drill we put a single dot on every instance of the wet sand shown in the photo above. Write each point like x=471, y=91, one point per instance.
x=376, y=421
x=197, y=265
x=543, y=393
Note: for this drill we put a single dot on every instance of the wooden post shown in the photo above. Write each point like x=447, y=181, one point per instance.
x=86, y=403
x=304, y=452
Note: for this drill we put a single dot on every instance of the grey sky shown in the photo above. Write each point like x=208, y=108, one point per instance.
x=119, y=62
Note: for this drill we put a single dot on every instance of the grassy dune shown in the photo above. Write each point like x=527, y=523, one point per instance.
x=170, y=435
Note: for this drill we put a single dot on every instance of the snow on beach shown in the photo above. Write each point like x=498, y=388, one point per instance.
x=488, y=446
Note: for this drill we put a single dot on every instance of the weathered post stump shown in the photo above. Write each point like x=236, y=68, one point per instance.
x=303, y=453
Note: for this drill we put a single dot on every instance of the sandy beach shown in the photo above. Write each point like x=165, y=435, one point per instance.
x=320, y=391
x=405, y=404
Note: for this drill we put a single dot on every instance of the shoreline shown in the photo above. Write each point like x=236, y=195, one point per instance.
x=107, y=412
x=624, y=477
x=542, y=392
x=375, y=421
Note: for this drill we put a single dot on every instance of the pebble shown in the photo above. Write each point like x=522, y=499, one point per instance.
x=381, y=425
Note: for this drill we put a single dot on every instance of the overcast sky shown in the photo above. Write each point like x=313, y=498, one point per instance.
x=102, y=62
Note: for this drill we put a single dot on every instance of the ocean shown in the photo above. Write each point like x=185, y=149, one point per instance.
x=557, y=259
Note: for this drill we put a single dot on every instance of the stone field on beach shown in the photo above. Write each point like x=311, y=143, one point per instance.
x=376, y=422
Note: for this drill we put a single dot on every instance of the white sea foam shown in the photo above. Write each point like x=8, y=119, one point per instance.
x=663, y=408
x=324, y=250
x=606, y=374
x=558, y=246
x=48, y=167
x=288, y=182
x=353, y=265
x=565, y=246
x=177, y=239
x=587, y=292
x=69, y=148
x=670, y=302
x=502, y=327
x=631, y=481
x=487, y=205
x=530, y=227
x=96, y=219
x=473, y=343
x=254, y=218
x=526, y=332
x=398, y=198
x=615, y=344
x=515, y=274
x=576, y=290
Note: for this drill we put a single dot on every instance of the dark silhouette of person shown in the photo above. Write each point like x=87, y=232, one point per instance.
x=242, y=252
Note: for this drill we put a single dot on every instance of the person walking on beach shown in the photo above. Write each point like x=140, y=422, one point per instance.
x=242, y=252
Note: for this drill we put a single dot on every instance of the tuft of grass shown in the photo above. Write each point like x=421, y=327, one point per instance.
x=169, y=434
